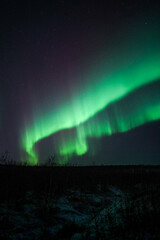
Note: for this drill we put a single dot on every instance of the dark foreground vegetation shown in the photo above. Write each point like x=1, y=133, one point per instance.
x=107, y=202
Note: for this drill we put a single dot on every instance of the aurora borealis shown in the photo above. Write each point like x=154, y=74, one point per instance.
x=69, y=86
x=84, y=107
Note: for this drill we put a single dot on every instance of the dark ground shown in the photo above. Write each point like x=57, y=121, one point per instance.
x=106, y=202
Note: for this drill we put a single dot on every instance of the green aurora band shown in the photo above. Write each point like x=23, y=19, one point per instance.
x=105, y=90
x=135, y=109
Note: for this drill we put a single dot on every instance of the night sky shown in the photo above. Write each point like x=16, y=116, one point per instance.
x=81, y=80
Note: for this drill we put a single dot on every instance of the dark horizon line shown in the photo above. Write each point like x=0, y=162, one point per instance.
x=81, y=166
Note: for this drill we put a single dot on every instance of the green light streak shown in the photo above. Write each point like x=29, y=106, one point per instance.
x=132, y=111
x=92, y=100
